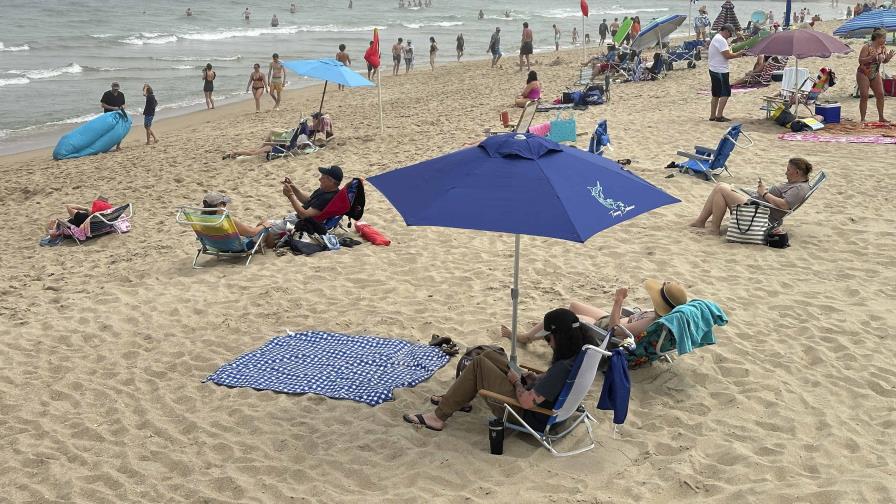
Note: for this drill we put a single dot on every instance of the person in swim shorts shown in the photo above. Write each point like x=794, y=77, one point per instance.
x=526, y=46
x=276, y=79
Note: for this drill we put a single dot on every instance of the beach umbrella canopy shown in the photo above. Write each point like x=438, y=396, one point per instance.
x=726, y=16
x=328, y=70
x=759, y=17
x=657, y=31
x=799, y=44
x=521, y=184
x=866, y=22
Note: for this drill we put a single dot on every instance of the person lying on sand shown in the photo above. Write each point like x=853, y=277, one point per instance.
x=784, y=196
x=664, y=295
x=491, y=371
x=79, y=216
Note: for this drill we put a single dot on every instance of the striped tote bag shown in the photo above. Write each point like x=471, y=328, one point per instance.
x=748, y=224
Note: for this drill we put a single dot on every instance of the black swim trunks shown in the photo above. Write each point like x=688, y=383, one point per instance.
x=525, y=48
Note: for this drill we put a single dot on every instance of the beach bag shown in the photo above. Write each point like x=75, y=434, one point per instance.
x=777, y=238
x=595, y=97
x=748, y=224
x=563, y=130
x=782, y=115
x=571, y=97
x=471, y=353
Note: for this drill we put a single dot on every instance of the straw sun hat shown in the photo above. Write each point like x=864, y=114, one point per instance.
x=665, y=295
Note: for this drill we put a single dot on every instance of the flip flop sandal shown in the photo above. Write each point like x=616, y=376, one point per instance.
x=450, y=349
x=419, y=421
x=466, y=408
x=624, y=162
x=438, y=341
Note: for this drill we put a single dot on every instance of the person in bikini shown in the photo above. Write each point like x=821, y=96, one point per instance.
x=532, y=91
x=258, y=84
x=277, y=79
x=868, y=76
x=665, y=296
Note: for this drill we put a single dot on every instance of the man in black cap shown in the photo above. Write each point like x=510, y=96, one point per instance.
x=112, y=101
x=310, y=205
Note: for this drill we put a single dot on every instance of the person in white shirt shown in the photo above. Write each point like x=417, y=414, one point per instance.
x=719, y=54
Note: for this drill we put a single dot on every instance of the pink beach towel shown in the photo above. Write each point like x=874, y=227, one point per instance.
x=815, y=137
x=540, y=129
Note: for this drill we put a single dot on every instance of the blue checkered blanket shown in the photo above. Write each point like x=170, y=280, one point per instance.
x=360, y=368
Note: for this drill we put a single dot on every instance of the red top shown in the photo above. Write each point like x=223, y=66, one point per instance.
x=99, y=206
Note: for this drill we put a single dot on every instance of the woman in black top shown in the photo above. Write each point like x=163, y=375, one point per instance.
x=149, y=113
x=208, y=79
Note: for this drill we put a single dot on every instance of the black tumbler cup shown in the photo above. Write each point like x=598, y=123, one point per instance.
x=496, y=436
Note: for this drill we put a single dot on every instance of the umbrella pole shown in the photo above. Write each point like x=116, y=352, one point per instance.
x=514, y=296
x=321, y=109
x=796, y=92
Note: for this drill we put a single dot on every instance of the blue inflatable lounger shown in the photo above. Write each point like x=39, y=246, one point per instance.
x=94, y=137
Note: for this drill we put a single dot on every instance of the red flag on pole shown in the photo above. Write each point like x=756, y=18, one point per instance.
x=584, y=6
x=372, y=55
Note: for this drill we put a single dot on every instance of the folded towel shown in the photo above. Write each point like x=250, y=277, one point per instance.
x=692, y=324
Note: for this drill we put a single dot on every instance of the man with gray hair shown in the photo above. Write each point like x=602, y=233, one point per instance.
x=719, y=54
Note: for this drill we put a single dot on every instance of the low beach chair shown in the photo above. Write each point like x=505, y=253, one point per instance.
x=568, y=406
x=113, y=220
x=813, y=186
x=685, y=328
x=688, y=51
x=600, y=139
x=708, y=163
x=523, y=123
x=217, y=234
x=794, y=81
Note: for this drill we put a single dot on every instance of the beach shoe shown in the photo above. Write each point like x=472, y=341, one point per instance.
x=437, y=399
x=437, y=340
x=624, y=162
x=418, y=421
x=450, y=349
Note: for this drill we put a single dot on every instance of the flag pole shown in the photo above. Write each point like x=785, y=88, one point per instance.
x=379, y=97
x=690, y=19
x=584, y=50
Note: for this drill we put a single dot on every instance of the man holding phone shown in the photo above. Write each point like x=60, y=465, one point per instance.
x=307, y=206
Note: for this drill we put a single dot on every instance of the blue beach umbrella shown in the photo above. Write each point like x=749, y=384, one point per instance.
x=786, y=25
x=520, y=184
x=657, y=31
x=327, y=70
x=866, y=22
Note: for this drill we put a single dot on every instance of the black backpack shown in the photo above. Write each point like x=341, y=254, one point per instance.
x=356, y=210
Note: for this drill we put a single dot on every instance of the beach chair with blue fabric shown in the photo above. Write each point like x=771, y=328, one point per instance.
x=600, y=139
x=685, y=328
x=569, y=406
x=689, y=51
x=217, y=234
x=707, y=163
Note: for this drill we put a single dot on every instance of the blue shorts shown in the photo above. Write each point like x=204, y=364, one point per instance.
x=147, y=121
x=720, y=86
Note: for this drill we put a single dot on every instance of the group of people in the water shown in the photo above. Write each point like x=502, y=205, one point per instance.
x=411, y=4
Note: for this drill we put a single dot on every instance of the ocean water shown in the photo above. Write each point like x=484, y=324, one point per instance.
x=58, y=57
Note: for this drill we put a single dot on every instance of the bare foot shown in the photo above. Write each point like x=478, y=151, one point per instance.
x=148, y=143
x=883, y=120
x=716, y=231
x=696, y=224
x=507, y=333
x=156, y=140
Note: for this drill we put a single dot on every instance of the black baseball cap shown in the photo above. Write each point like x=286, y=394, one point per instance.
x=334, y=172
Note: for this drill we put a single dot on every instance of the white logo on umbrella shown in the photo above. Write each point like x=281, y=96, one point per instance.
x=617, y=208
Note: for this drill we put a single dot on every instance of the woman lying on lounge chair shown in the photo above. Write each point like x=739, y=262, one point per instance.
x=784, y=196
x=491, y=371
x=79, y=216
x=665, y=297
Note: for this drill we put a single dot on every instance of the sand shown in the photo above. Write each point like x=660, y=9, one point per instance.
x=105, y=346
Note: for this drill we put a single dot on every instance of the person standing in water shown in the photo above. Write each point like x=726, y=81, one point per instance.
x=276, y=79
x=481, y=14
x=556, y=38
x=433, y=49
x=189, y=12
x=460, y=46
x=275, y=22
x=349, y=4
x=526, y=46
x=246, y=14
x=408, y=57
x=292, y=8
x=343, y=58
x=208, y=85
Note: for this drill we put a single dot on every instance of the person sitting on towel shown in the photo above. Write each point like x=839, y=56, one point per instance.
x=784, y=196
x=664, y=295
x=308, y=205
x=79, y=216
x=491, y=371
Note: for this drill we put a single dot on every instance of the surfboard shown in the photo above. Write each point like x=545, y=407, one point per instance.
x=94, y=137
x=624, y=28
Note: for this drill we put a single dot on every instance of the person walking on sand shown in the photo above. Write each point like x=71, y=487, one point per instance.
x=494, y=46
x=258, y=84
x=408, y=57
x=113, y=100
x=868, y=76
x=433, y=49
x=460, y=46
x=603, y=30
x=719, y=54
x=246, y=14
x=397, y=48
x=343, y=58
x=208, y=85
x=149, y=113
x=276, y=79
x=556, y=38
x=526, y=46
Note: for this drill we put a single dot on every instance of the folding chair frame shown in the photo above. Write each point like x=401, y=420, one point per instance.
x=708, y=155
x=127, y=214
x=219, y=254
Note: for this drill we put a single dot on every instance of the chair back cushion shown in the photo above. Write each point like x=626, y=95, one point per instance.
x=215, y=232
x=98, y=227
x=581, y=377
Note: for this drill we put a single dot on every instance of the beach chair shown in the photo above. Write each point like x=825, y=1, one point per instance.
x=600, y=139
x=568, y=406
x=695, y=320
x=217, y=234
x=689, y=52
x=349, y=203
x=523, y=123
x=708, y=163
x=586, y=73
x=794, y=81
x=813, y=186
x=113, y=220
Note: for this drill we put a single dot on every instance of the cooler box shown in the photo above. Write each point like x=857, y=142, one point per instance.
x=890, y=87
x=829, y=112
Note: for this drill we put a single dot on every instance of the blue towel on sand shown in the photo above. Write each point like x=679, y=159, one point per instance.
x=692, y=323
x=360, y=368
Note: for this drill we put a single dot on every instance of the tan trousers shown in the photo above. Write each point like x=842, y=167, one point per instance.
x=487, y=371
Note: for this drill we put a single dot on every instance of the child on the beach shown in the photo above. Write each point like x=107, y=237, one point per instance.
x=149, y=113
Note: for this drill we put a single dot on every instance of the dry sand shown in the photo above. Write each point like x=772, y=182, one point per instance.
x=105, y=346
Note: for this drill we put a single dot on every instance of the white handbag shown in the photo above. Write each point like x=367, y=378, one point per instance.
x=748, y=224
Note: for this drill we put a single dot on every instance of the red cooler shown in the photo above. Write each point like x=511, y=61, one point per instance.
x=890, y=87
x=829, y=112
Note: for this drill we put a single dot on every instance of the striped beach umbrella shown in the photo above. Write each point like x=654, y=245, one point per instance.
x=726, y=16
x=866, y=22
